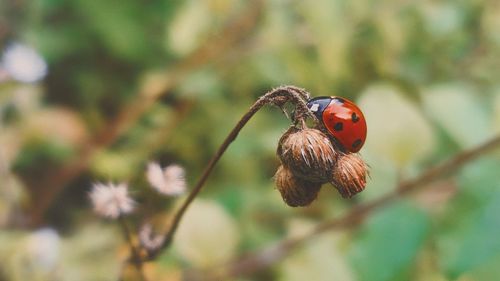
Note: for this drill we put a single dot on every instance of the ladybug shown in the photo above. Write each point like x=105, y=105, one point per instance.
x=343, y=119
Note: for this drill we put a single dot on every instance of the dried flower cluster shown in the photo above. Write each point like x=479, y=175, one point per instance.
x=309, y=159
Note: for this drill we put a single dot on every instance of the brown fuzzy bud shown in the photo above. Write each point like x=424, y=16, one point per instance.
x=295, y=191
x=308, y=153
x=349, y=175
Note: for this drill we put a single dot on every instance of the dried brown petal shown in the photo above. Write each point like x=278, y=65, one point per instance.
x=295, y=191
x=349, y=175
x=308, y=153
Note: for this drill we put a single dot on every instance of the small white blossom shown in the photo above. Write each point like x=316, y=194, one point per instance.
x=168, y=181
x=23, y=63
x=148, y=239
x=110, y=200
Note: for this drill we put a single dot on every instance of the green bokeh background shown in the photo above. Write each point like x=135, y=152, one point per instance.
x=426, y=74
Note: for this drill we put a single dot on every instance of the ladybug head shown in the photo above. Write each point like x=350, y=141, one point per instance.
x=317, y=105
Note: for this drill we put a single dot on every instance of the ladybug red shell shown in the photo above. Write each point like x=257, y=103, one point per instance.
x=343, y=119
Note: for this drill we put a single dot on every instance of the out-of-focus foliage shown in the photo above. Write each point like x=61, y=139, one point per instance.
x=206, y=222
x=375, y=259
x=426, y=73
x=403, y=144
x=321, y=259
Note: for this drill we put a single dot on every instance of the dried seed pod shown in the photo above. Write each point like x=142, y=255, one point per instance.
x=295, y=191
x=349, y=175
x=308, y=153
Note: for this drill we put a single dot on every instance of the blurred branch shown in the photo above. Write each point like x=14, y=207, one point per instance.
x=217, y=46
x=266, y=257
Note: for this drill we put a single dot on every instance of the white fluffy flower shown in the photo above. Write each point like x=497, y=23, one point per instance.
x=23, y=63
x=168, y=181
x=148, y=239
x=110, y=200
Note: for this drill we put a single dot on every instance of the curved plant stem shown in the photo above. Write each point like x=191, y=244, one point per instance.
x=276, y=96
x=254, y=262
x=134, y=251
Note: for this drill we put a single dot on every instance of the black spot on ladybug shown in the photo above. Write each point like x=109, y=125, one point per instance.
x=354, y=117
x=338, y=126
x=356, y=143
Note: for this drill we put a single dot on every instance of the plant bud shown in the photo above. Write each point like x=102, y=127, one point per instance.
x=349, y=175
x=295, y=191
x=308, y=153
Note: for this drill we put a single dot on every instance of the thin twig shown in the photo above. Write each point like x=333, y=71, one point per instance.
x=287, y=93
x=134, y=251
x=268, y=256
x=217, y=46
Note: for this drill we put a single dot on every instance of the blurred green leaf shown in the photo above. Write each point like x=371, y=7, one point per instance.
x=491, y=22
x=388, y=243
x=496, y=108
x=91, y=253
x=383, y=178
x=129, y=29
x=41, y=153
x=207, y=235
x=397, y=131
x=111, y=165
x=321, y=259
x=202, y=85
x=58, y=42
x=189, y=27
x=454, y=107
x=442, y=18
x=469, y=236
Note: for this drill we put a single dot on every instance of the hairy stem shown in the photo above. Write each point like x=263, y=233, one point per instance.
x=264, y=258
x=276, y=96
x=134, y=251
